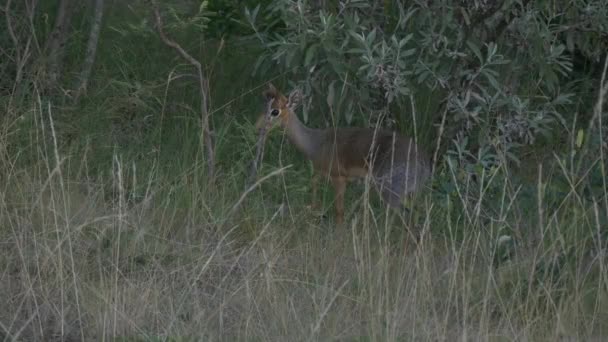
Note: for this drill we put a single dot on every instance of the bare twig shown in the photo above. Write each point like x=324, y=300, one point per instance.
x=11, y=32
x=56, y=42
x=598, y=109
x=203, y=87
x=244, y=195
x=599, y=105
x=599, y=112
x=503, y=24
x=19, y=58
x=31, y=7
x=259, y=153
x=89, y=59
x=439, y=137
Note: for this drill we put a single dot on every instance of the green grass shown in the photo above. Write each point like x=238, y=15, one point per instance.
x=109, y=231
x=137, y=253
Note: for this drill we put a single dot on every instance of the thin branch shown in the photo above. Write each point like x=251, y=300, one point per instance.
x=168, y=41
x=592, y=126
x=439, y=138
x=56, y=42
x=31, y=12
x=11, y=33
x=261, y=126
x=9, y=25
x=203, y=87
x=504, y=23
x=89, y=59
x=252, y=187
x=259, y=155
x=602, y=92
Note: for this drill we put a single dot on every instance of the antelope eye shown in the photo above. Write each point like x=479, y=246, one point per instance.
x=274, y=112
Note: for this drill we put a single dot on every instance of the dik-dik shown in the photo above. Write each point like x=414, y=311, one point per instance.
x=397, y=166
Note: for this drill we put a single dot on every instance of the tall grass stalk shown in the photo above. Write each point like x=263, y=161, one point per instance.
x=91, y=258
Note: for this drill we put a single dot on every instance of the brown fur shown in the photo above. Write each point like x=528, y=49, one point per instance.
x=396, y=164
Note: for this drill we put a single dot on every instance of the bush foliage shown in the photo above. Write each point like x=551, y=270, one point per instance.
x=113, y=226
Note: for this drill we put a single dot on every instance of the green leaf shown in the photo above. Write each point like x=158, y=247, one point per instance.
x=570, y=40
x=475, y=50
x=580, y=136
x=203, y=6
x=465, y=16
x=356, y=51
x=310, y=54
x=404, y=91
x=371, y=37
x=331, y=93
x=251, y=16
x=358, y=37
x=408, y=52
x=405, y=40
x=492, y=80
x=349, y=114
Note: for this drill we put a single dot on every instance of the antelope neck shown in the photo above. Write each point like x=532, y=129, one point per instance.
x=305, y=139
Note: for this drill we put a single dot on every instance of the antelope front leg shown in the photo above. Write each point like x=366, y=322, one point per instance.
x=314, y=183
x=339, y=189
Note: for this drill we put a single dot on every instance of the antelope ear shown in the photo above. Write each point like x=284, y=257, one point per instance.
x=295, y=97
x=271, y=92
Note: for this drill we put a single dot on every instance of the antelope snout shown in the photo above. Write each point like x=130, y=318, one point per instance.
x=260, y=123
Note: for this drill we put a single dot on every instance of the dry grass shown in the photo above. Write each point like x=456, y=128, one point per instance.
x=83, y=261
x=88, y=260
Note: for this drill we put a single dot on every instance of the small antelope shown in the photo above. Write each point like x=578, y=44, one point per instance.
x=396, y=165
